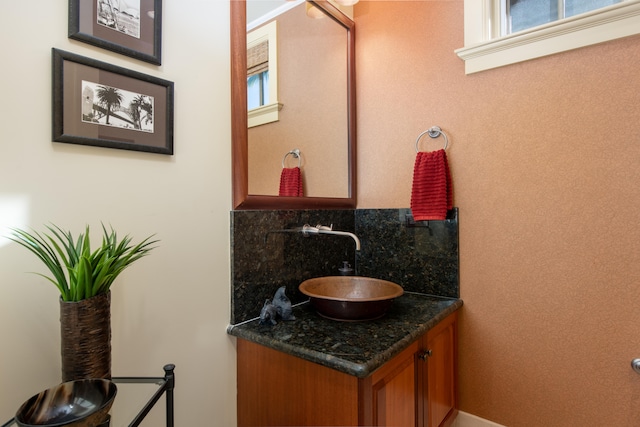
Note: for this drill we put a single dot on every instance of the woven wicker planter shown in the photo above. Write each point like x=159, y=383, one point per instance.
x=85, y=333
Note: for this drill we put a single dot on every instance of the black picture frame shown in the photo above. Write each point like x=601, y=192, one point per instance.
x=142, y=121
x=137, y=34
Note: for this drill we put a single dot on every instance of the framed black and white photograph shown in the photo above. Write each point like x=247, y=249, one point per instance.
x=129, y=27
x=103, y=105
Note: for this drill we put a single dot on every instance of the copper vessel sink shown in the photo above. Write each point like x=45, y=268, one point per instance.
x=350, y=298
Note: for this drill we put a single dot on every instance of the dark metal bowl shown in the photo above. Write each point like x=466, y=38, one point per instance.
x=350, y=298
x=80, y=403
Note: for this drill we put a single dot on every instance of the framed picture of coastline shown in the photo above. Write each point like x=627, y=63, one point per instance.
x=103, y=105
x=128, y=27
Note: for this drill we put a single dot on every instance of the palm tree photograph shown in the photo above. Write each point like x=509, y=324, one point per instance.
x=110, y=106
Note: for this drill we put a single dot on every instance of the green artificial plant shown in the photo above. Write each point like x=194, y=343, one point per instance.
x=77, y=272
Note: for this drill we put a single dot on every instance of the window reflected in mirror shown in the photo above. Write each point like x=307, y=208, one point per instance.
x=262, y=75
x=258, y=75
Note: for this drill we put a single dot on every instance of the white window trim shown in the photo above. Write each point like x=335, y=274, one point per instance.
x=482, y=52
x=264, y=114
x=267, y=113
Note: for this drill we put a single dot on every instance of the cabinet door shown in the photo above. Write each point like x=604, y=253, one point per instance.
x=394, y=391
x=440, y=357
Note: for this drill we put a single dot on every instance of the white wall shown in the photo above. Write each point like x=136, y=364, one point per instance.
x=172, y=306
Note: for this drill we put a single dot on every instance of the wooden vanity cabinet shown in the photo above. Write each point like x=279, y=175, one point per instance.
x=415, y=388
x=437, y=367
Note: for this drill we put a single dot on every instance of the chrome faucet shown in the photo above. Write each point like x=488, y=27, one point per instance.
x=307, y=230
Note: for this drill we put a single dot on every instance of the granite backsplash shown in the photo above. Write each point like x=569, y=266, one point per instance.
x=266, y=254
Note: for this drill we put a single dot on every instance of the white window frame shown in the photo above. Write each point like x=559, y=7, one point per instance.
x=270, y=111
x=486, y=49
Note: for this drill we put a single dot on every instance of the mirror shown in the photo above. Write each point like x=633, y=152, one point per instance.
x=323, y=131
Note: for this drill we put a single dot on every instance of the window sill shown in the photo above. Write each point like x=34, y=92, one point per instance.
x=263, y=115
x=609, y=23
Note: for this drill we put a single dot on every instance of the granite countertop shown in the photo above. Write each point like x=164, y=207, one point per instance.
x=355, y=348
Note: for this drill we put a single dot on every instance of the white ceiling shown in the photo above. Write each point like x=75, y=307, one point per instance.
x=258, y=8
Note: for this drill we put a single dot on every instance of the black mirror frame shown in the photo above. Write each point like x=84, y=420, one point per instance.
x=239, y=126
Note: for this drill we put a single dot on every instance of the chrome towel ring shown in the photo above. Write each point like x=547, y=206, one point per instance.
x=295, y=153
x=434, y=132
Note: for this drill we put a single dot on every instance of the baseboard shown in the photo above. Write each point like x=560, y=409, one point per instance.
x=467, y=420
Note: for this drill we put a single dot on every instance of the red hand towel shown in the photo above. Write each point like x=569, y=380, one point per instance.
x=431, y=195
x=291, y=182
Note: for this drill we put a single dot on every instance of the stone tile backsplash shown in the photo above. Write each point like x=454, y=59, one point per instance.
x=266, y=254
x=420, y=257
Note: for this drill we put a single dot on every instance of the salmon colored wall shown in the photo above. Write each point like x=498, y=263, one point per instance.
x=545, y=160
